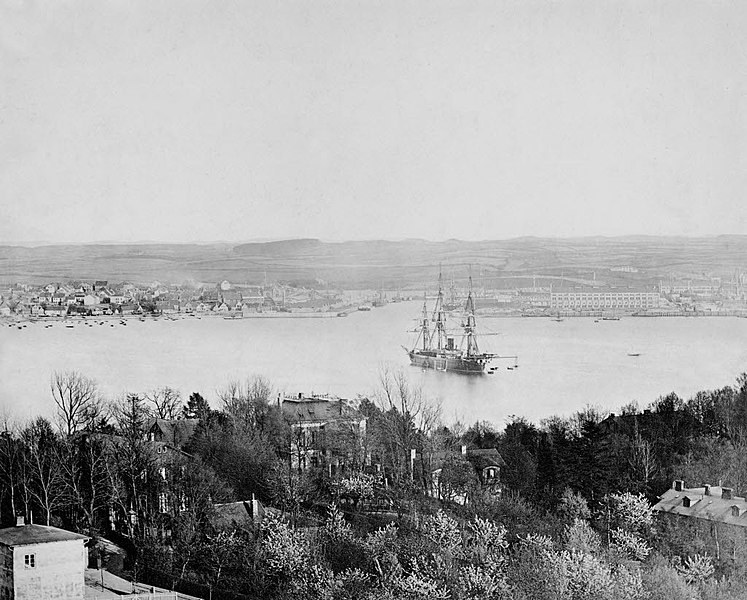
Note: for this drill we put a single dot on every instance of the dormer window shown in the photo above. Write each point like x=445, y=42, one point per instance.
x=734, y=511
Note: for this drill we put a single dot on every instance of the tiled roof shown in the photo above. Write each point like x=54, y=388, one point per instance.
x=479, y=458
x=704, y=503
x=318, y=409
x=232, y=514
x=177, y=431
x=485, y=457
x=237, y=514
x=36, y=534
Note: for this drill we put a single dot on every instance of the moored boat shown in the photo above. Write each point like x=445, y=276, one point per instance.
x=436, y=349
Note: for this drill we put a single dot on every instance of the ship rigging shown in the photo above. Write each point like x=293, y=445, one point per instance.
x=435, y=347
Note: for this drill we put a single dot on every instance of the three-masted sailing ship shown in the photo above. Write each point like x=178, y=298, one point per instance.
x=436, y=349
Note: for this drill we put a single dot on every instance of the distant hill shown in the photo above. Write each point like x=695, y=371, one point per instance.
x=407, y=264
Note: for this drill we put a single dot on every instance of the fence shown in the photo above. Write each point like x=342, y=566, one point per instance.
x=150, y=593
x=158, y=582
x=173, y=596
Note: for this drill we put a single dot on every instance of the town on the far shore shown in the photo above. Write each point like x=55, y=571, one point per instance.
x=623, y=291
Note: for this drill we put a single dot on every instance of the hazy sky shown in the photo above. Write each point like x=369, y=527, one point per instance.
x=180, y=120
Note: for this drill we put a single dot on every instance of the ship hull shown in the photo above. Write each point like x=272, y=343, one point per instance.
x=444, y=362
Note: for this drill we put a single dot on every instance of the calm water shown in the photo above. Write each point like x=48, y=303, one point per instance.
x=563, y=366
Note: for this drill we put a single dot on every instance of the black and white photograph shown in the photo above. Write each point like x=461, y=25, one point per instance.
x=373, y=299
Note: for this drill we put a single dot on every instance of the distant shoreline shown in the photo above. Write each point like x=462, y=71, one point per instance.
x=15, y=320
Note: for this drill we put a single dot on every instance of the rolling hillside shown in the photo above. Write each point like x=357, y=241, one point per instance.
x=408, y=264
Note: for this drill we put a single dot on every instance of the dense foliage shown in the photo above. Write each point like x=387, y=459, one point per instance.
x=574, y=520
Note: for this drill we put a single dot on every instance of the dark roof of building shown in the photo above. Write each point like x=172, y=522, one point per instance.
x=318, y=409
x=24, y=535
x=238, y=514
x=706, y=503
x=482, y=458
x=479, y=458
x=232, y=514
x=175, y=431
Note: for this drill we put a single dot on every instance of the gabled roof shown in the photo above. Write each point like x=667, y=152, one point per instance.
x=704, y=503
x=175, y=431
x=318, y=409
x=238, y=514
x=24, y=535
x=482, y=458
x=479, y=458
x=233, y=514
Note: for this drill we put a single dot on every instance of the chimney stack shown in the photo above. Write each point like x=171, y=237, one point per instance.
x=707, y=489
x=20, y=520
x=464, y=450
x=678, y=485
x=726, y=493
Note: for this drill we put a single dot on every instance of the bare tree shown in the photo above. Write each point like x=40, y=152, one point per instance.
x=247, y=404
x=132, y=464
x=10, y=459
x=642, y=462
x=408, y=419
x=78, y=402
x=86, y=481
x=43, y=466
x=166, y=401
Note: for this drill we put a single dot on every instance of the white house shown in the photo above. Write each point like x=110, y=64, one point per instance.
x=41, y=562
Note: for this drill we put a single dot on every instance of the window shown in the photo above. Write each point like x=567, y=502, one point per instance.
x=29, y=561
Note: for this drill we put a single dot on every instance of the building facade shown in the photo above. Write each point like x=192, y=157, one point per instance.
x=325, y=432
x=604, y=300
x=710, y=517
x=41, y=562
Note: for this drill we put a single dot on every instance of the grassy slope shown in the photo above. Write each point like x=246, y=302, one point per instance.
x=407, y=264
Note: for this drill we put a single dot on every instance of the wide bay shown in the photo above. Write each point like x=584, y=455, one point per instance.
x=563, y=366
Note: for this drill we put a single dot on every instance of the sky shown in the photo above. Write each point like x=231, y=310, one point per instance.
x=189, y=121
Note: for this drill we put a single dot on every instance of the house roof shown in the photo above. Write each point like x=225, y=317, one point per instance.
x=485, y=457
x=705, y=503
x=237, y=514
x=479, y=458
x=318, y=409
x=36, y=534
x=175, y=431
x=232, y=514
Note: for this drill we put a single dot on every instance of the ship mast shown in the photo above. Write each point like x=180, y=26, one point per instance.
x=469, y=324
x=439, y=317
x=452, y=292
x=424, y=328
